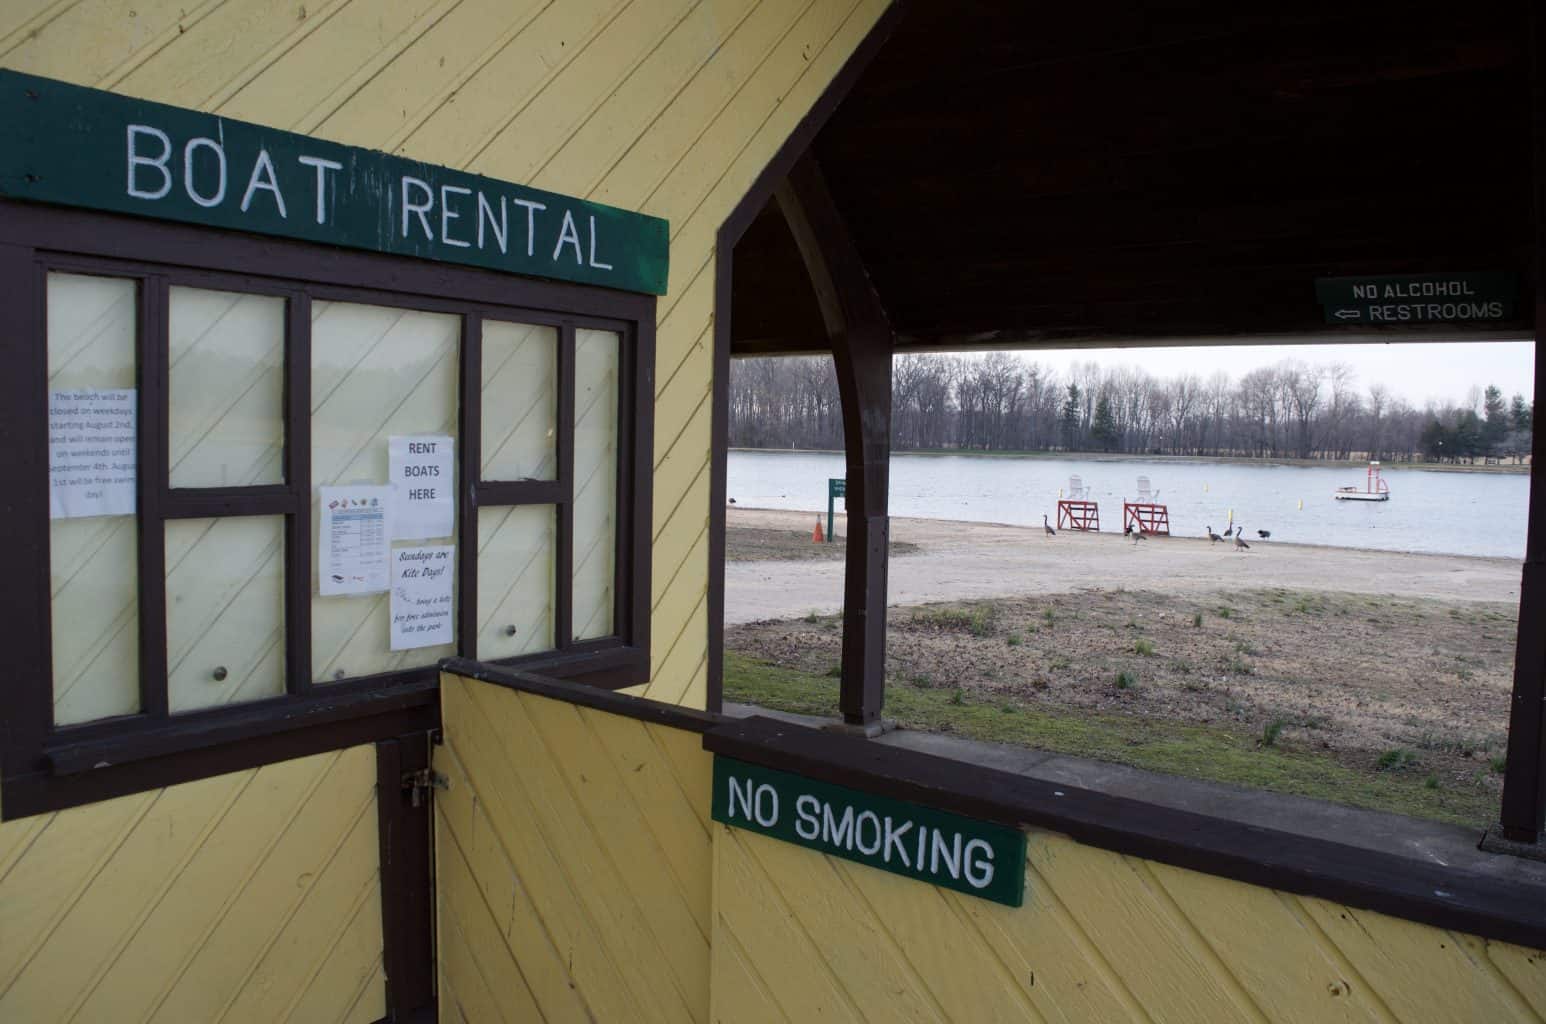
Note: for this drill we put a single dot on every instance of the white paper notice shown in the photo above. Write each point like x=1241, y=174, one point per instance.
x=91, y=452
x=421, y=596
x=420, y=469
x=355, y=539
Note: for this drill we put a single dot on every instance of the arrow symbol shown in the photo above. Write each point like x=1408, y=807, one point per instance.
x=1348, y=314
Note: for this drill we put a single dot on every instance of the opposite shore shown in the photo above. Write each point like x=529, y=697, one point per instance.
x=1522, y=469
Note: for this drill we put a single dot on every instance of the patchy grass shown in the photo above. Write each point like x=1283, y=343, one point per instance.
x=1271, y=731
x=1193, y=751
x=977, y=620
x=752, y=543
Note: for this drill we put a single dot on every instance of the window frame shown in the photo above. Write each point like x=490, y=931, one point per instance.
x=44, y=766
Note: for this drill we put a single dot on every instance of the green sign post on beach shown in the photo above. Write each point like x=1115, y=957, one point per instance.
x=837, y=487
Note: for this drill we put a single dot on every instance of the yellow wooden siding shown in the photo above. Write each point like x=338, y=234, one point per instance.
x=799, y=936
x=253, y=896
x=670, y=107
x=573, y=861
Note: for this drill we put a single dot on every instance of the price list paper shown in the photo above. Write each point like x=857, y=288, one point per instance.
x=353, y=553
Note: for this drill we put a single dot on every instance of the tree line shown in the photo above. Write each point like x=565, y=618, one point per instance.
x=1002, y=402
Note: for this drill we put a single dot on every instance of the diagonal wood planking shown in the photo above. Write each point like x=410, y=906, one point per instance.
x=253, y=896
x=1101, y=937
x=574, y=859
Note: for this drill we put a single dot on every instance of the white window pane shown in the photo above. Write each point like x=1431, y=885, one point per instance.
x=226, y=424
x=595, y=481
x=93, y=562
x=224, y=610
x=515, y=580
x=520, y=401
x=376, y=372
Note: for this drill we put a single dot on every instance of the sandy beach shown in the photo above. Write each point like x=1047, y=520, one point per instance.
x=957, y=561
x=1369, y=677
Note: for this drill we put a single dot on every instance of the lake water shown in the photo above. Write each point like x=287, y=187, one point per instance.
x=1429, y=511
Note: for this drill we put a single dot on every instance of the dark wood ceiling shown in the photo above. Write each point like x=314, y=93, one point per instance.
x=1017, y=173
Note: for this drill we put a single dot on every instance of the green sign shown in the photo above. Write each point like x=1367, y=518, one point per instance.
x=74, y=146
x=964, y=854
x=837, y=487
x=1418, y=298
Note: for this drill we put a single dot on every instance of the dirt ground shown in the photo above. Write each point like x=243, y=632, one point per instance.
x=1384, y=662
x=753, y=544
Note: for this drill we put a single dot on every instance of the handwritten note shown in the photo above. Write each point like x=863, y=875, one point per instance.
x=91, y=452
x=422, y=596
x=354, y=539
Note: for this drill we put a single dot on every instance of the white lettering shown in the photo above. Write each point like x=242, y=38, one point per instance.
x=136, y=160
x=531, y=221
x=806, y=825
x=500, y=230
x=568, y=235
x=837, y=831
x=419, y=208
x=952, y=854
x=744, y=793
x=871, y=848
x=193, y=146
x=446, y=216
x=979, y=872
x=593, y=261
x=769, y=819
x=322, y=166
x=263, y=177
x=894, y=838
x=923, y=839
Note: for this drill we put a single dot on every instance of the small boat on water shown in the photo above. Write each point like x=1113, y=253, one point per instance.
x=1375, y=489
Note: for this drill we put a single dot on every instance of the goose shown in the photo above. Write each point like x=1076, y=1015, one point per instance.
x=1139, y=535
x=1215, y=538
x=1240, y=544
x=1047, y=526
x=1264, y=534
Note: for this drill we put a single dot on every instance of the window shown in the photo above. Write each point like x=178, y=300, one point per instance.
x=197, y=415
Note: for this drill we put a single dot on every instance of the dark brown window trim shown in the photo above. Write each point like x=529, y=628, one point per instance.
x=1420, y=891
x=41, y=791
x=46, y=768
x=789, y=153
x=68, y=755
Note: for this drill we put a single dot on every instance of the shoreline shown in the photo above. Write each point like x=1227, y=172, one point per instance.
x=1227, y=460
x=960, y=561
x=841, y=519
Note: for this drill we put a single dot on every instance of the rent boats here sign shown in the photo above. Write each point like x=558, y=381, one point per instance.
x=65, y=144
x=971, y=856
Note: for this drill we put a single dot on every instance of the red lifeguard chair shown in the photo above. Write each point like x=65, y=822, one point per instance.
x=1077, y=512
x=1146, y=514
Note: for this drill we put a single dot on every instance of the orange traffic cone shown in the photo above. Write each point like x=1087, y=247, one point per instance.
x=816, y=535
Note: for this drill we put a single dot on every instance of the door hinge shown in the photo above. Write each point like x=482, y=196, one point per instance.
x=417, y=783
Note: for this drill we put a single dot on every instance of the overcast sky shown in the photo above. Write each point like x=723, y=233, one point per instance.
x=1415, y=371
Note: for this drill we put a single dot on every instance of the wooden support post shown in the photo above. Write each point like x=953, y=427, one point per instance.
x=1524, y=779
x=862, y=346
